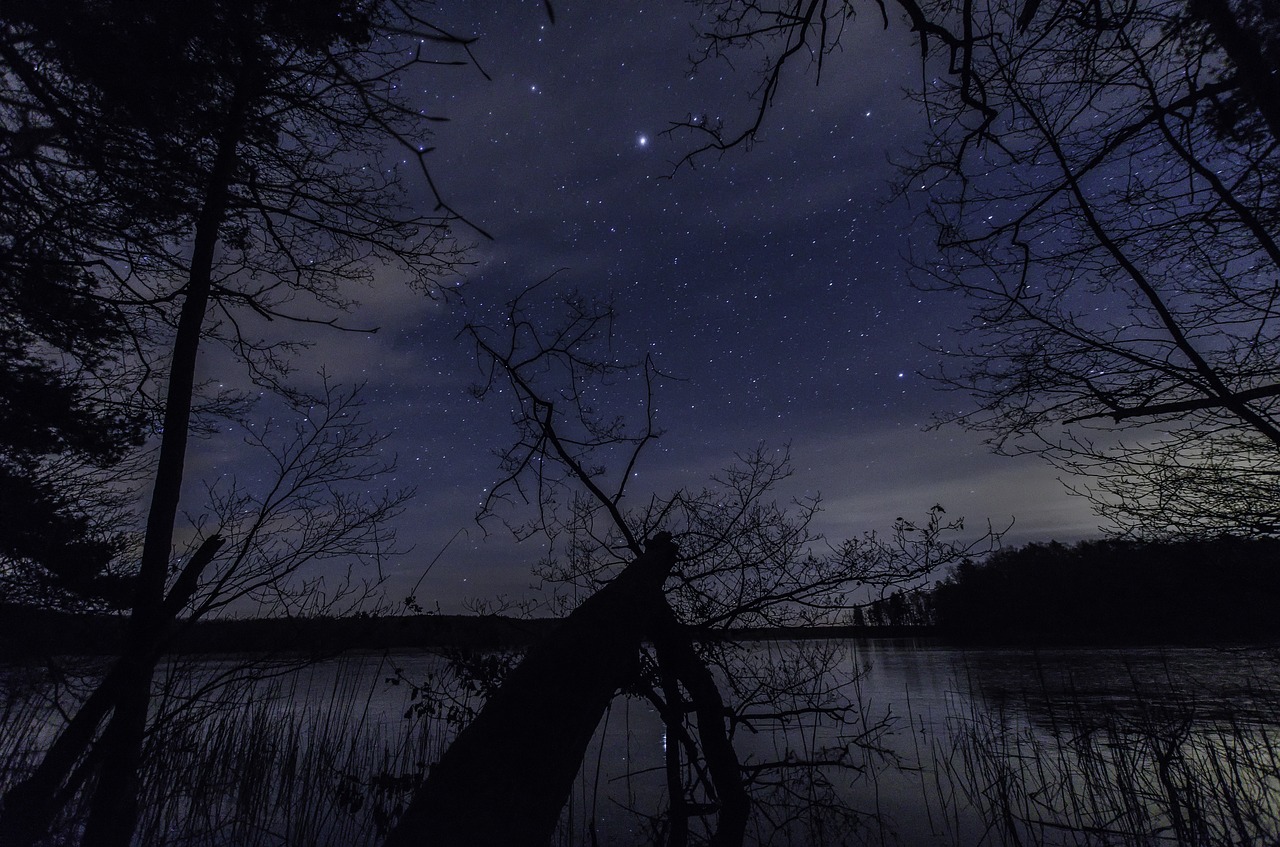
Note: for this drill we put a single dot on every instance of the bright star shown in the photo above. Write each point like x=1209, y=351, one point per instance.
x=642, y=141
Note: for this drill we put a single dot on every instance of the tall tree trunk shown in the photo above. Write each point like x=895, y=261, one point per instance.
x=504, y=780
x=125, y=692
x=1255, y=74
x=113, y=811
x=31, y=805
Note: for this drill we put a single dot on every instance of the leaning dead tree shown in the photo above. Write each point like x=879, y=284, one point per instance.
x=715, y=558
x=523, y=751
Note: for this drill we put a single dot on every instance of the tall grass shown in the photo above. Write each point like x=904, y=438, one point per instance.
x=1154, y=768
x=257, y=764
x=292, y=761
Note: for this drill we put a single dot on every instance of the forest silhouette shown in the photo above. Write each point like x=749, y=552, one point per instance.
x=1116, y=591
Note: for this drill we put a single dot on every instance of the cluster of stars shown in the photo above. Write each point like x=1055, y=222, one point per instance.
x=771, y=283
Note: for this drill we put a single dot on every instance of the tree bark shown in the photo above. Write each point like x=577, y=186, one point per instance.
x=113, y=811
x=31, y=805
x=677, y=654
x=508, y=774
x=1244, y=48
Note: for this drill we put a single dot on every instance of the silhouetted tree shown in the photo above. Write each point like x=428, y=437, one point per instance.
x=1114, y=231
x=65, y=413
x=733, y=557
x=1116, y=591
x=231, y=159
x=256, y=548
x=780, y=36
x=1102, y=180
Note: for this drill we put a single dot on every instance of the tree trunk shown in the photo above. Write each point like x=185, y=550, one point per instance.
x=1244, y=48
x=506, y=777
x=113, y=811
x=31, y=805
x=677, y=656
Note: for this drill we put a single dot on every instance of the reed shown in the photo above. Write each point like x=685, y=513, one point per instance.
x=316, y=759
x=258, y=763
x=1157, y=768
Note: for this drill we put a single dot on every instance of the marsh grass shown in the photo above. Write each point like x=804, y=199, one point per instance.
x=287, y=768
x=328, y=758
x=259, y=761
x=26, y=718
x=1156, y=768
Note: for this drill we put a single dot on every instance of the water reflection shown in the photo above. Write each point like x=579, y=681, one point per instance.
x=873, y=742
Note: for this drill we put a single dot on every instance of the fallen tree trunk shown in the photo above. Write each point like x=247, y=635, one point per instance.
x=507, y=776
x=677, y=657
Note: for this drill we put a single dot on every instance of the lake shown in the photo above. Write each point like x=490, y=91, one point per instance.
x=848, y=742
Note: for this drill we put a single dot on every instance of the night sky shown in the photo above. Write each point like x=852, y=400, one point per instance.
x=772, y=281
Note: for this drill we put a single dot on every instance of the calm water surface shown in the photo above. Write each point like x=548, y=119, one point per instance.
x=935, y=745
x=941, y=716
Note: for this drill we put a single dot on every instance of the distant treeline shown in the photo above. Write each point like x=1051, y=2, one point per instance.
x=27, y=631
x=1225, y=589
x=1220, y=590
